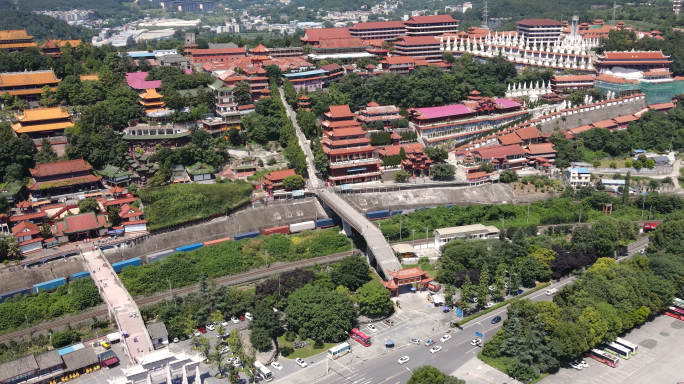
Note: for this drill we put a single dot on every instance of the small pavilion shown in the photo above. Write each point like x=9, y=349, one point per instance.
x=407, y=276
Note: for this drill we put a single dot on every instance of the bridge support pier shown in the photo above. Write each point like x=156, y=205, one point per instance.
x=346, y=228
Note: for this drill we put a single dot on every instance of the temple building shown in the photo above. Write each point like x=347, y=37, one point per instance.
x=458, y=122
x=77, y=227
x=571, y=83
x=27, y=85
x=273, y=181
x=334, y=44
x=378, y=30
x=374, y=112
x=198, y=56
x=151, y=100
x=407, y=276
x=416, y=163
x=16, y=40
x=54, y=47
x=435, y=25
x=43, y=122
x=637, y=61
x=540, y=31
x=62, y=177
x=426, y=47
x=304, y=102
x=339, y=116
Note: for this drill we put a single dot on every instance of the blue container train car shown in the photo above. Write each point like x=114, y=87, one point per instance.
x=375, y=215
x=121, y=265
x=79, y=275
x=190, y=247
x=8, y=295
x=49, y=285
x=247, y=235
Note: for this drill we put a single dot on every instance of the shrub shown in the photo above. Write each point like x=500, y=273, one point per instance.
x=290, y=336
x=286, y=351
x=318, y=344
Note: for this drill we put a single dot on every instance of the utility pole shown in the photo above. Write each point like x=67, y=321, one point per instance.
x=426, y=237
x=413, y=240
x=614, y=7
x=485, y=23
x=400, y=229
x=580, y=218
x=528, y=211
x=642, y=207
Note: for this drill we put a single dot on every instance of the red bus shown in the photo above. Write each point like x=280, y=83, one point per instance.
x=675, y=312
x=650, y=226
x=360, y=337
x=604, y=357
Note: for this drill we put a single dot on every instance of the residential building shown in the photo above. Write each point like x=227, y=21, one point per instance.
x=571, y=83
x=464, y=232
x=540, y=31
x=12, y=191
x=16, y=40
x=416, y=163
x=502, y=157
x=542, y=154
x=200, y=173
x=578, y=177
x=27, y=85
x=307, y=80
x=273, y=181
x=528, y=135
x=43, y=122
x=426, y=47
x=131, y=219
x=334, y=73
x=178, y=61
x=430, y=25
x=54, y=47
x=398, y=64
x=454, y=123
x=225, y=105
x=151, y=100
x=62, y=177
x=113, y=176
x=640, y=61
x=374, y=112
x=28, y=236
x=378, y=30
x=287, y=52
x=198, y=56
x=158, y=334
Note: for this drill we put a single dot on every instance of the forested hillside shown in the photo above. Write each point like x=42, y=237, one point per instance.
x=40, y=26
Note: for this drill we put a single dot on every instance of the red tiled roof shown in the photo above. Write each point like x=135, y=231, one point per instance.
x=527, y=133
x=350, y=42
x=398, y=60
x=540, y=22
x=625, y=119
x=510, y=139
x=378, y=25
x=391, y=150
x=494, y=152
x=28, y=216
x=260, y=49
x=279, y=175
x=326, y=33
x=217, y=51
x=581, y=129
x=416, y=40
x=123, y=201
x=37, y=239
x=63, y=182
x=24, y=204
x=342, y=132
x=330, y=67
x=60, y=167
x=339, y=111
x=539, y=149
x=127, y=211
x=341, y=151
x=573, y=78
x=430, y=19
x=82, y=222
x=408, y=273
x=614, y=79
x=661, y=106
x=634, y=55
x=245, y=107
x=25, y=228
x=609, y=123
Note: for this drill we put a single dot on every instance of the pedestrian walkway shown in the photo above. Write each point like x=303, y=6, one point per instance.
x=121, y=305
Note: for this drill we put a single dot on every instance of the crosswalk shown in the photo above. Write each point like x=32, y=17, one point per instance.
x=398, y=318
x=358, y=378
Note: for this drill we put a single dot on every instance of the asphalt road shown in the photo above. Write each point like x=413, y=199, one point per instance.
x=455, y=352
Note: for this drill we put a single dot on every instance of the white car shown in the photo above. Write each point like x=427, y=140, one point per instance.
x=198, y=333
x=581, y=363
x=277, y=365
x=224, y=323
x=403, y=359
x=300, y=362
x=476, y=342
x=248, y=316
x=175, y=340
x=236, y=362
x=492, y=288
x=211, y=327
x=372, y=327
x=436, y=349
x=225, y=349
x=445, y=338
x=489, y=305
x=576, y=366
x=234, y=319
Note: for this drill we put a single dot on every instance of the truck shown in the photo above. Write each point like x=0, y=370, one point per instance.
x=433, y=286
x=436, y=300
x=551, y=292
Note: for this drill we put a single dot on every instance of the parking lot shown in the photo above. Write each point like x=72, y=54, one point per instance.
x=659, y=358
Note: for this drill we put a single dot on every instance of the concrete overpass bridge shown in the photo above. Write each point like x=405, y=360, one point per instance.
x=380, y=254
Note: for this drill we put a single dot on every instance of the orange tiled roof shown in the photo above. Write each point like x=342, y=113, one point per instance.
x=17, y=45
x=93, y=77
x=150, y=93
x=60, y=167
x=40, y=114
x=408, y=273
x=19, y=129
x=15, y=34
x=27, y=78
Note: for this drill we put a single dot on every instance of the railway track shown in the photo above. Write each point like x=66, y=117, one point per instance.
x=229, y=280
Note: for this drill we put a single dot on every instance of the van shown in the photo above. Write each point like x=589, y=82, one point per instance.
x=551, y=291
x=434, y=287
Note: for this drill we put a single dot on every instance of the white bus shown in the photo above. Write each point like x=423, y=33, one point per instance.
x=631, y=347
x=338, y=350
x=617, y=349
x=264, y=372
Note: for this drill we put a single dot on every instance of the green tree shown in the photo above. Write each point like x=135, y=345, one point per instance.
x=467, y=289
x=442, y=171
x=46, y=231
x=293, y=182
x=449, y=292
x=427, y=374
x=48, y=97
x=234, y=136
x=242, y=93
x=499, y=282
x=217, y=361
x=46, y=153
x=483, y=288
x=352, y=272
x=320, y=314
x=509, y=176
x=438, y=155
x=374, y=299
x=264, y=317
x=63, y=338
x=649, y=163
x=401, y=176
x=88, y=205
x=486, y=167
x=113, y=216
x=259, y=339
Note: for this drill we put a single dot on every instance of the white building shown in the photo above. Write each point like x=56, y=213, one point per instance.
x=578, y=177
x=465, y=232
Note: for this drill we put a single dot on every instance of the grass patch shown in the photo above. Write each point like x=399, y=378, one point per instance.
x=303, y=352
x=502, y=363
x=618, y=162
x=432, y=271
